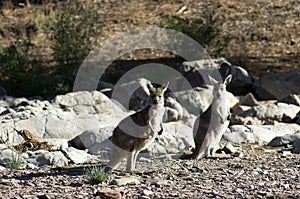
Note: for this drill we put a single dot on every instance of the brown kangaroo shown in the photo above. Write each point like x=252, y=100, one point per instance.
x=137, y=131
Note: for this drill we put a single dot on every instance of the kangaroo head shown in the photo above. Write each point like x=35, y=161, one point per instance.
x=219, y=89
x=156, y=96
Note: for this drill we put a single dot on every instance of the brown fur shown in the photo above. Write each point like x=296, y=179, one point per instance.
x=126, y=141
x=129, y=141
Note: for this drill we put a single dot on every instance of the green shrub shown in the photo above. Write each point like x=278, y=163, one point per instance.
x=21, y=71
x=72, y=32
x=14, y=163
x=95, y=175
x=205, y=30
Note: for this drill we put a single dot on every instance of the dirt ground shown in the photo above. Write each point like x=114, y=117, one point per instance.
x=260, y=172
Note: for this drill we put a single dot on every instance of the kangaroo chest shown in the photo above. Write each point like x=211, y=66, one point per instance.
x=156, y=114
x=220, y=111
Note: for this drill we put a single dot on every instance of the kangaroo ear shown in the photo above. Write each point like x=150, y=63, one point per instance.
x=228, y=79
x=165, y=86
x=212, y=80
x=149, y=85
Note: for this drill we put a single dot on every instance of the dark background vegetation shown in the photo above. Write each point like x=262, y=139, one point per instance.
x=43, y=43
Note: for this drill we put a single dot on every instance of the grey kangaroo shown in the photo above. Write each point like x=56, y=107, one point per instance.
x=210, y=125
x=137, y=131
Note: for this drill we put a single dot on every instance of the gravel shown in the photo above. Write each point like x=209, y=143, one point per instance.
x=260, y=172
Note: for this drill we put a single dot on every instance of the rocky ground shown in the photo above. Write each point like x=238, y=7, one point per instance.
x=260, y=172
x=264, y=37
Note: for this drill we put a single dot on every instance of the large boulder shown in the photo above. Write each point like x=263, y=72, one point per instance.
x=132, y=95
x=281, y=112
x=176, y=137
x=94, y=140
x=242, y=82
x=65, y=117
x=198, y=99
x=258, y=133
x=84, y=102
x=278, y=85
x=196, y=71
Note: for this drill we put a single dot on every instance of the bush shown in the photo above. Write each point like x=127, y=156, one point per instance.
x=73, y=33
x=72, y=30
x=96, y=175
x=205, y=31
x=21, y=72
x=14, y=163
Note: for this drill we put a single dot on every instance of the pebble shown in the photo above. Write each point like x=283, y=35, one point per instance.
x=126, y=181
x=147, y=192
x=108, y=193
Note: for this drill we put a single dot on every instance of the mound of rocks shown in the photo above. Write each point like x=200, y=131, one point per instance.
x=79, y=124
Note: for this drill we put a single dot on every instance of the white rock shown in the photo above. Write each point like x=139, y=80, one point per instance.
x=175, y=138
x=43, y=157
x=281, y=112
x=77, y=156
x=57, y=142
x=196, y=100
x=94, y=139
x=69, y=125
x=126, y=181
x=7, y=154
x=258, y=133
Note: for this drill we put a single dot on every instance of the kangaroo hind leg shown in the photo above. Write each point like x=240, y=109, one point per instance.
x=116, y=157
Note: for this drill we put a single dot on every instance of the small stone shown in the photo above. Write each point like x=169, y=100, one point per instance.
x=147, y=192
x=75, y=155
x=220, y=156
x=229, y=148
x=162, y=182
x=125, y=181
x=286, y=153
x=108, y=193
x=239, y=190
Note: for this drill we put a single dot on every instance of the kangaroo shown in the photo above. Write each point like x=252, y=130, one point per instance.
x=137, y=131
x=210, y=125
